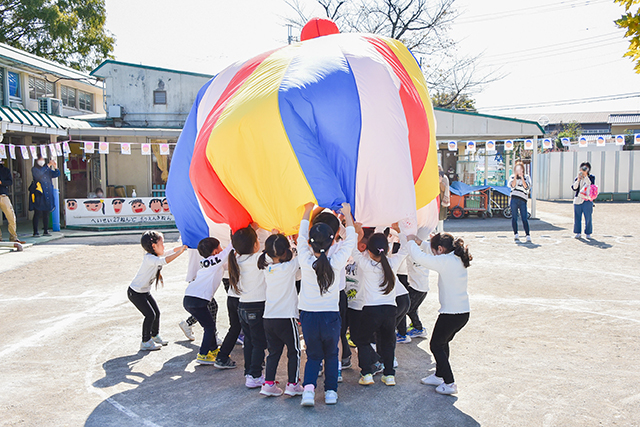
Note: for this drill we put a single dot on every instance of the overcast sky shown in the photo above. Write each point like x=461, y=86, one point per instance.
x=547, y=50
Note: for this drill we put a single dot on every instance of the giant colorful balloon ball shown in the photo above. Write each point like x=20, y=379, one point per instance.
x=332, y=119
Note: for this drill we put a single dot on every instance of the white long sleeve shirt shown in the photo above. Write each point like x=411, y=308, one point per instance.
x=355, y=298
x=282, y=297
x=146, y=275
x=373, y=276
x=253, y=287
x=418, y=275
x=310, y=298
x=342, y=280
x=209, y=276
x=452, y=278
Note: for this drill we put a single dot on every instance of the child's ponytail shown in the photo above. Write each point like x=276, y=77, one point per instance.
x=462, y=252
x=378, y=245
x=262, y=261
x=234, y=271
x=276, y=246
x=320, y=238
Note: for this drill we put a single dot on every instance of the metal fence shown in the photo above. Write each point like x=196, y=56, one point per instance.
x=617, y=173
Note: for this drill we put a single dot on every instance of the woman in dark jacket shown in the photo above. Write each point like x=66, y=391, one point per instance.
x=41, y=193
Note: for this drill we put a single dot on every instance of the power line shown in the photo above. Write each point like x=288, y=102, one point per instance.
x=553, y=7
x=564, y=102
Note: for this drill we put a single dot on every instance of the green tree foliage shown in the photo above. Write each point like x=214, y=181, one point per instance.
x=71, y=32
x=631, y=21
x=454, y=101
x=571, y=130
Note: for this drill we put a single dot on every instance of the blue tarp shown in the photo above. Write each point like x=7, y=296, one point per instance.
x=502, y=190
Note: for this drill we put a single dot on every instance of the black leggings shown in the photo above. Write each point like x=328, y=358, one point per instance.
x=403, y=302
x=346, y=350
x=234, y=329
x=255, y=340
x=378, y=320
x=213, y=309
x=199, y=308
x=447, y=326
x=281, y=332
x=45, y=220
x=149, y=308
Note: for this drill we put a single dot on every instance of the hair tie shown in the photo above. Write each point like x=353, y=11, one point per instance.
x=380, y=250
x=311, y=240
x=331, y=237
x=321, y=251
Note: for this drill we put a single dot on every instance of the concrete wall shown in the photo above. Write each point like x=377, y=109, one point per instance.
x=615, y=172
x=133, y=87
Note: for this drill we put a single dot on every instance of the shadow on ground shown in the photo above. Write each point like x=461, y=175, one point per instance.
x=176, y=396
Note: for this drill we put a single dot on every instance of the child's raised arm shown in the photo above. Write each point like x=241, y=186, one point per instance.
x=176, y=253
x=346, y=211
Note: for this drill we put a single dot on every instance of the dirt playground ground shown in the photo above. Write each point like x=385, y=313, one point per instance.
x=553, y=339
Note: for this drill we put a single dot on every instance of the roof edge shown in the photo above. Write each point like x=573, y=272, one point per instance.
x=147, y=67
x=491, y=116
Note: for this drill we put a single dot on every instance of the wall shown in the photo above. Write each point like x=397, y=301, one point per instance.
x=134, y=169
x=132, y=88
x=615, y=172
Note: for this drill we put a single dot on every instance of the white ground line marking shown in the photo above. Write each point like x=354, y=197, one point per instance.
x=556, y=306
x=548, y=267
x=103, y=395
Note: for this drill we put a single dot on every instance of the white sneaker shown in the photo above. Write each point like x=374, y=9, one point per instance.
x=432, y=380
x=308, y=397
x=577, y=236
x=159, y=340
x=528, y=239
x=330, y=397
x=588, y=236
x=188, y=331
x=294, y=389
x=447, y=388
x=516, y=237
x=149, y=346
x=251, y=382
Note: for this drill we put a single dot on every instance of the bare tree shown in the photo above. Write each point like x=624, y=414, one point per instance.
x=421, y=25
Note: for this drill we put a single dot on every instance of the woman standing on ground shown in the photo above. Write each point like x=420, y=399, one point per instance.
x=41, y=199
x=520, y=184
x=581, y=205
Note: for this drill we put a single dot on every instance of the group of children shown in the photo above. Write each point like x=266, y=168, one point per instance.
x=335, y=278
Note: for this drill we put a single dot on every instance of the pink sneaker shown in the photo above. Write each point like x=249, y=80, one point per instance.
x=251, y=382
x=294, y=389
x=271, y=390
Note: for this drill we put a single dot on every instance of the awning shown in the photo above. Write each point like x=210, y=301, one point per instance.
x=26, y=121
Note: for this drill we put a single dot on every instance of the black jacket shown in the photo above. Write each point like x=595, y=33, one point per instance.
x=6, y=179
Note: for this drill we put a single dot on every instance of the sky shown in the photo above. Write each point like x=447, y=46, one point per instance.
x=547, y=51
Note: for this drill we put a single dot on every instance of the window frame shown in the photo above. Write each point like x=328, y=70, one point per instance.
x=66, y=98
x=80, y=93
x=34, y=89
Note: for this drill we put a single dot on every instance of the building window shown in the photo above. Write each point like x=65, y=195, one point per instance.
x=85, y=101
x=39, y=88
x=68, y=96
x=159, y=97
x=14, y=84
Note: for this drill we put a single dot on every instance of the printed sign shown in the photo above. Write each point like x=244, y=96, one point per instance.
x=619, y=139
x=52, y=150
x=471, y=146
x=528, y=144
x=103, y=148
x=12, y=151
x=565, y=141
x=547, y=143
x=59, y=149
x=636, y=139
x=65, y=147
x=453, y=146
x=600, y=141
x=490, y=146
x=125, y=148
x=34, y=151
x=508, y=145
x=43, y=151
x=582, y=142
x=117, y=210
x=89, y=147
x=145, y=149
x=24, y=150
x=164, y=149
x=3, y=151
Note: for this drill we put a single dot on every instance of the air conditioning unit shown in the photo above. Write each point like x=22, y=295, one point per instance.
x=50, y=106
x=115, y=111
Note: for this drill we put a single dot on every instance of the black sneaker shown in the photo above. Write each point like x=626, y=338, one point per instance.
x=346, y=362
x=46, y=233
x=36, y=234
x=228, y=364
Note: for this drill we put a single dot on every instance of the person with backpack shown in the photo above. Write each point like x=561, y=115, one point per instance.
x=583, y=200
